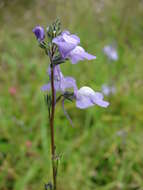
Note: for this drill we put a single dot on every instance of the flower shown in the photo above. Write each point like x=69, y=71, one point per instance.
x=39, y=33
x=86, y=97
x=110, y=52
x=68, y=47
x=107, y=90
x=28, y=143
x=79, y=54
x=61, y=83
x=12, y=91
x=66, y=42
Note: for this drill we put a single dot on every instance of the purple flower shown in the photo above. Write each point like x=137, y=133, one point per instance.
x=79, y=54
x=110, y=52
x=86, y=97
x=107, y=90
x=39, y=33
x=61, y=83
x=68, y=47
x=66, y=42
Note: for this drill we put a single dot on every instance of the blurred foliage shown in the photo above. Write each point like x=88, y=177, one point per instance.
x=104, y=150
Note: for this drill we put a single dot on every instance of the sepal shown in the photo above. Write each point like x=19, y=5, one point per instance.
x=42, y=45
x=54, y=29
x=58, y=60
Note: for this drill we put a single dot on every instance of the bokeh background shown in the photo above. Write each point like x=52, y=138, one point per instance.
x=104, y=151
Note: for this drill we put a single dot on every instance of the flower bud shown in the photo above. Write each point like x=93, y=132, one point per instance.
x=39, y=33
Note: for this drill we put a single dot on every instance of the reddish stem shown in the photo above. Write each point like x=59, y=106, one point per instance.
x=52, y=129
x=53, y=147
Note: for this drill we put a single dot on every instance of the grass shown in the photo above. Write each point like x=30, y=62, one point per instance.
x=104, y=150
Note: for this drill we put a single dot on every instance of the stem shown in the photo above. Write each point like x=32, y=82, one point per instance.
x=53, y=147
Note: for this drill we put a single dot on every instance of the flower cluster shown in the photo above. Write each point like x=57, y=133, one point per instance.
x=66, y=47
x=61, y=46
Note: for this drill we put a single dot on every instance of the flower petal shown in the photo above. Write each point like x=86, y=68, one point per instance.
x=39, y=33
x=61, y=83
x=111, y=52
x=108, y=89
x=66, y=42
x=71, y=38
x=86, y=97
x=57, y=72
x=70, y=82
x=79, y=54
x=46, y=87
x=98, y=99
x=84, y=102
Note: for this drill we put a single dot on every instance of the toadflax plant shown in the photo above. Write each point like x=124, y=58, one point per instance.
x=61, y=46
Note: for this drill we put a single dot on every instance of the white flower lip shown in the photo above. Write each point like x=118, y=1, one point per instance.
x=87, y=97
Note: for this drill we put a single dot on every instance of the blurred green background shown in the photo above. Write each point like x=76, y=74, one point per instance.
x=104, y=150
